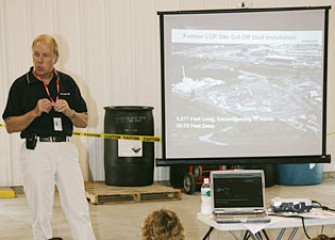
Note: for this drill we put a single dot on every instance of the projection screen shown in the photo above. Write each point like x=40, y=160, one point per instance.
x=242, y=86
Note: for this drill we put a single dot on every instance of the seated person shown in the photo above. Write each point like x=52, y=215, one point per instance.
x=162, y=225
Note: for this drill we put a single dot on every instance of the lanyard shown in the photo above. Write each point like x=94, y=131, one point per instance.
x=46, y=87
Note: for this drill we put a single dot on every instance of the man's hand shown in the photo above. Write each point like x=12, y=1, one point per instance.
x=78, y=119
x=43, y=105
x=62, y=106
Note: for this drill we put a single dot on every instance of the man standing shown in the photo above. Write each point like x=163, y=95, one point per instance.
x=44, y=105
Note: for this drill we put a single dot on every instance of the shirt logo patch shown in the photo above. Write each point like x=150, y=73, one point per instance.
x=65, y=94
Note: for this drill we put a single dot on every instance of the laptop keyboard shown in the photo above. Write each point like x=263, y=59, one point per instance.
x=222, y=215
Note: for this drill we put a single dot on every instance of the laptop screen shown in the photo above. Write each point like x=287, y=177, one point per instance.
x=238, y=189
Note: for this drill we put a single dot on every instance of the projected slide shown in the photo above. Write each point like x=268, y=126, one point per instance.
x=244, y=90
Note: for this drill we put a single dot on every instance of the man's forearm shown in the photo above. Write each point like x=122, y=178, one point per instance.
x=79, y=119
x=19, y=123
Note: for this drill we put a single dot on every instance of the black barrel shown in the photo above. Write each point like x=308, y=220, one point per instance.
x=133, y=163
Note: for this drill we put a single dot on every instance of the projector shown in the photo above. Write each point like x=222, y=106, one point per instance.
x=295, y=205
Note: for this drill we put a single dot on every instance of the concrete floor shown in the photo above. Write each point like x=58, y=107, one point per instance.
x=123, y=221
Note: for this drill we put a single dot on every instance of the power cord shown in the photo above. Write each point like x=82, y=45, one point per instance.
x=319, y=205
x=304, y=227
x=322, y=207
x=296, y=216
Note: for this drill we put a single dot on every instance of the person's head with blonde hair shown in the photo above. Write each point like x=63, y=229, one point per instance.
x=45, y=38
x=162, y=224
x=45, y=55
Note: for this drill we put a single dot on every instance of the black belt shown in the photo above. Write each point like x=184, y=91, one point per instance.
x=54, y=139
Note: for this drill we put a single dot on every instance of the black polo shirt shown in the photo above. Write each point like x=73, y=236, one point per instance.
x=27, y=90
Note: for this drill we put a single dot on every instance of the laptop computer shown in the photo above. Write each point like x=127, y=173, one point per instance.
x=238, y=196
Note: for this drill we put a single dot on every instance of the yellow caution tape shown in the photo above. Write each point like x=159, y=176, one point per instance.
x=116, y=136
x=120, y=136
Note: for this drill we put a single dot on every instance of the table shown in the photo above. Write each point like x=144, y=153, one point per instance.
x=315, y=217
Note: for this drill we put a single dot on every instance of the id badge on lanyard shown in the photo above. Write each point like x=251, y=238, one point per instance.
x=57, y=121
x=58, y=124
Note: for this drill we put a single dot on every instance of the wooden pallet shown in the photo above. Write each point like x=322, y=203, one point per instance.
x=100, y=193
